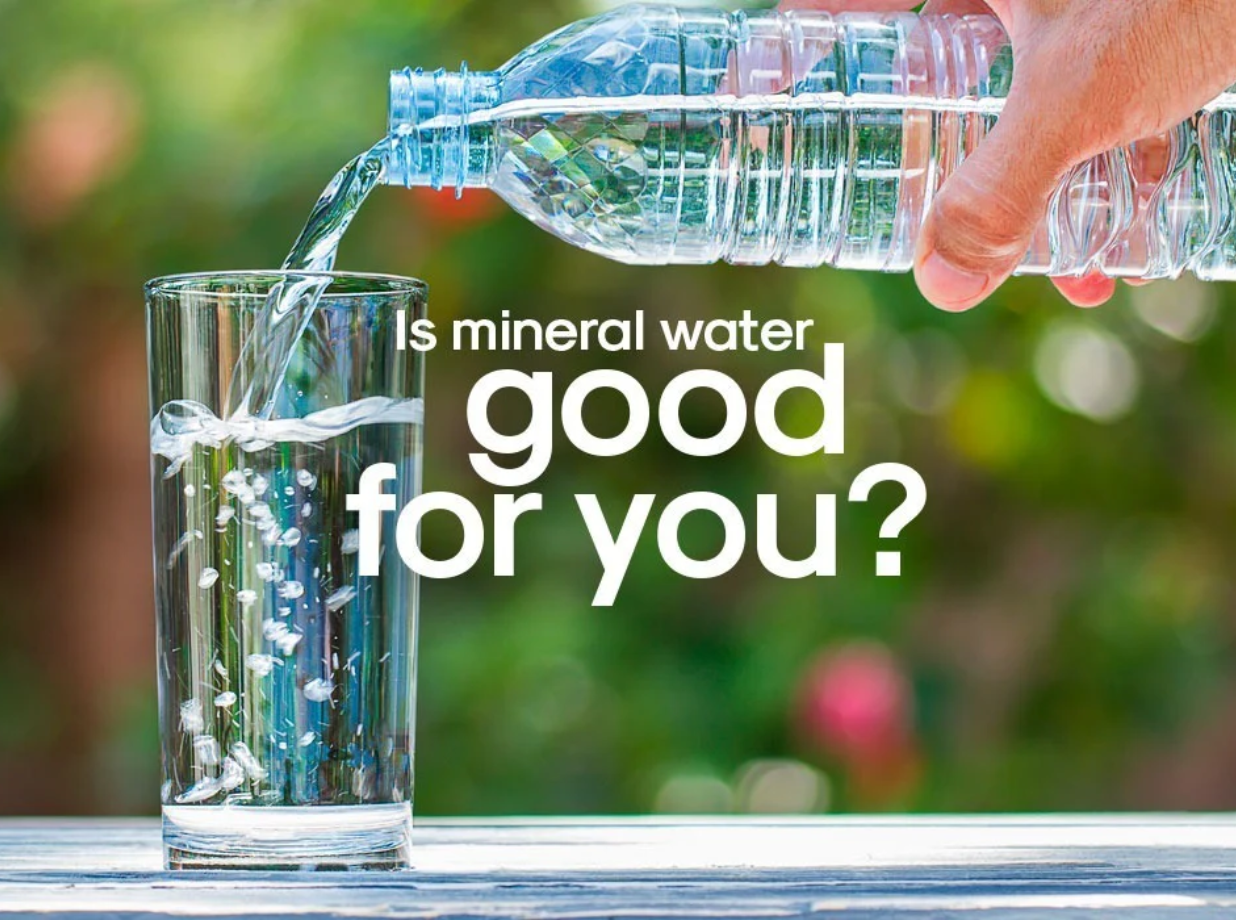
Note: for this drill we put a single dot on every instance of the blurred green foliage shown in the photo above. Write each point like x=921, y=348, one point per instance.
x=1062, y=635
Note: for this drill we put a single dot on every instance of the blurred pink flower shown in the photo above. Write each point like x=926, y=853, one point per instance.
x=81, y=133
x=444, y=211
x=855, y=704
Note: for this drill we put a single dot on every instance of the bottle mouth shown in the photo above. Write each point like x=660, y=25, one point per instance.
x=418, y=97
x=429, y=121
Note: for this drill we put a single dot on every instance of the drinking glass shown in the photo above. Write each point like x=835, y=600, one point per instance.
x=286, y=680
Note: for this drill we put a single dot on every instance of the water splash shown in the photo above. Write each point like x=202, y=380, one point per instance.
x=184, y=424
x=292, y=301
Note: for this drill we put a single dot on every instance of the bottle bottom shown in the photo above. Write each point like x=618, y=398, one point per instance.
x=278, y=838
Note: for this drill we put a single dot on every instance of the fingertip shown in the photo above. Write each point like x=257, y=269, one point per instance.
x=948, y=287
x=1089, y=291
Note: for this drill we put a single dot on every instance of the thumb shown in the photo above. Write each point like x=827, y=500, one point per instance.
x=983, y=218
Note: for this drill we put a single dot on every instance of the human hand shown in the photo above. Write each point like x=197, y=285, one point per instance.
x=1088, y=77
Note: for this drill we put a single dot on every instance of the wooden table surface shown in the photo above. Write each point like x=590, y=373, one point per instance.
x=973, y=868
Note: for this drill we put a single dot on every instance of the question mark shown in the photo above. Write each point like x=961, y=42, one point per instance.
x=888, y=565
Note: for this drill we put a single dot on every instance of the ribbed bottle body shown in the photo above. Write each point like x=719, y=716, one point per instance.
x=656, y=135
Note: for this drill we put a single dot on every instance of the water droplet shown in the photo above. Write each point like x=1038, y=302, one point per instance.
x=208, y=577
x=318, y=690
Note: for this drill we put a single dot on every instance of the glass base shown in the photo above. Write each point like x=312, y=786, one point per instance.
x=303, y=838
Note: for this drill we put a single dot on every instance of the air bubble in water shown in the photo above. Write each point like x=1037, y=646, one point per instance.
x=232, y=774
x=318, y=690
x=268, y=571
x=226, y=513
x=207, y=750
x=340, y=598
x=208, y=577
x=290, y=537
x=350, y=542
x=220, y=669
x=191, y=720
x=308, y=738
x=290, y=590
x=259, y=664
x=273, y=630
x=306, y=509
x=306, y=479
x=244, y=757
x=289, y=491
x=225, y=699
x=190, y=490
x=233, y=481
x=205, y=788
x=185, y=539
x=246, y=596
x=260, y=485
x=287, y=642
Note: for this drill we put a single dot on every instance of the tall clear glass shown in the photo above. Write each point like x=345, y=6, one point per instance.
x=286, y=680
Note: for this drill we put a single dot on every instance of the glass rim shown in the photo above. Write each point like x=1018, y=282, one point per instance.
x=195, y=283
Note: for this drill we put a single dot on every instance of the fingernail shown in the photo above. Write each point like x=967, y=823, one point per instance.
x=947, y=286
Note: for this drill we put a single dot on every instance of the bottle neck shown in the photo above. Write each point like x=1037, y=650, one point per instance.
x=436, y=141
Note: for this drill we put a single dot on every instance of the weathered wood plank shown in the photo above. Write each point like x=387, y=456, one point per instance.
x=1144, y=867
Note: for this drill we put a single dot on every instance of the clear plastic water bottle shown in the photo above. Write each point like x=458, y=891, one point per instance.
x=656, y=135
